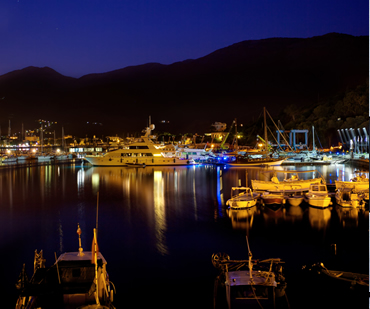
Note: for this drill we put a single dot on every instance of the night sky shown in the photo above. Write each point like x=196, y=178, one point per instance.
x=78, y=37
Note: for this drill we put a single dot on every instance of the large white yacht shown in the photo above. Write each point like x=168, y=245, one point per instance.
x=140, y=153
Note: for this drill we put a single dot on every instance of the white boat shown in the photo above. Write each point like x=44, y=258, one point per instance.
x=290, y=178
x=9, y=159
x=318, y=196
x=346, y=196
x=248, y=283
x=197, y=154
x=61, y=157
x=44, y=157
x=76, y=280
x=244, y=199
x=143, y=152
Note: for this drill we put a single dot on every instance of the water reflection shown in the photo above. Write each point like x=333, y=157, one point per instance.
x=159, y=213
x=273, y=214
x=242, y=219
x=348, y=216
x=319, y=218
x=294, y=213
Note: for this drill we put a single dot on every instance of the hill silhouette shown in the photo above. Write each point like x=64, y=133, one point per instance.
x=232, y=82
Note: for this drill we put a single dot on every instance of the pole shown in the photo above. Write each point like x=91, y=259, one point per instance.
x=97, y=211
x=265, y=128
x=96, y=268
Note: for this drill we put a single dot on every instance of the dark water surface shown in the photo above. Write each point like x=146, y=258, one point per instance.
x=159, y=226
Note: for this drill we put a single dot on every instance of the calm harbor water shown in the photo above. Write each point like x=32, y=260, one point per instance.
x=159, y=226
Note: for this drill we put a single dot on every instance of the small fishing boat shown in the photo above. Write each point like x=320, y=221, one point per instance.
x=353, y=281
x=76, y=280
x=273, y=197
x=318, y=196
x=245, y=283
x=346, y=196
x=359, y=182
x=290, y=178
x=295, y=197
x=245, y=198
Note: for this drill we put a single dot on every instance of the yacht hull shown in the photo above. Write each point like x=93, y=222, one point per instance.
x=144, y=161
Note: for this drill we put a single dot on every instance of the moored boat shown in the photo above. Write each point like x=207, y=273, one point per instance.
x=318, y=196
x=245, y=198
x=346, y=196
x=244, y=161
x=350, y=280
x=9, y=159
x=360, y=183
x=143, y=152
x=294, y=181
x=248, y=282
x=273, y=197
x=44, y=157
x=76, y=280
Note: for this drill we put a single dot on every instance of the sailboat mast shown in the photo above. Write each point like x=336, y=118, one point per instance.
x=42, y=139
x=265, y=128
x=63, y=138
x=313, y=138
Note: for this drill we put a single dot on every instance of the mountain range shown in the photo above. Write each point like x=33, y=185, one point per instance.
x=233, y=82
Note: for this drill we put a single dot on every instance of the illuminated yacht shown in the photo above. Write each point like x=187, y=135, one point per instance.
x=140, y=153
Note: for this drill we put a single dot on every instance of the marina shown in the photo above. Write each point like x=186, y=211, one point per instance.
x=160, y=225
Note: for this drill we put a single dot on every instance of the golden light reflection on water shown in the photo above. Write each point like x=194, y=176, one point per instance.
x=348, y=215
x=95, y=180
x=318, y=217
x=242, y=219
x=159, y=212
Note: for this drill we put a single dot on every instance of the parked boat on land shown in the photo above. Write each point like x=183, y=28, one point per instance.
x=290, y=178
x=76, y=280
x=245, y=198
x=143, y=151
x=245, y=283
x=318, y=196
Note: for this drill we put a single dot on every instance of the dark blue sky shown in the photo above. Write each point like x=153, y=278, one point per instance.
x=78, y=37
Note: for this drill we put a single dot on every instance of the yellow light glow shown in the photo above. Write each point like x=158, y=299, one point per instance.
x=212, y=145
x=58, y=150
x=157, y=155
